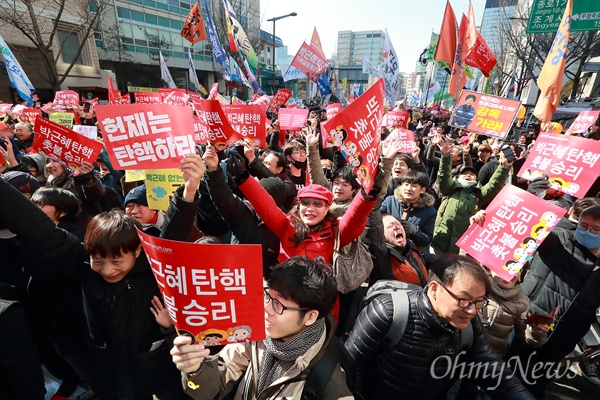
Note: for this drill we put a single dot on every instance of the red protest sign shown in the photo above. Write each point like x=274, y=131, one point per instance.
x=569, y=161
x=281, y=97
x=174, y=97
x=4, y=108
x=311, y=61
x=516, y=223
x=485, y=114
x=29, y=115
x=264, y=99
x=584, y=120
x=291, y=119
x=211, y=125
x=356, y=132
x=406, y=138
x=52, y=139
x=66, y=98
x=147, y=98
x=249, y=120
x=146, y=136
x=210, y=297
x=332, y=110
x=396, y=119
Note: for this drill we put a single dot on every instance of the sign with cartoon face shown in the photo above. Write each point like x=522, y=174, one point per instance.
x=569, y=162
x=213, y=292
x=516, y=223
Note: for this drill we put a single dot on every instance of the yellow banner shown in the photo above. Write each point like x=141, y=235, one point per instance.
x=133, y=89
x=160, y=185
x=134, y=175
x=64, y=119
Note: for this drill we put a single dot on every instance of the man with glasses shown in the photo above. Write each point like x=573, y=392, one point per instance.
x=432, y=352
x=298, y=300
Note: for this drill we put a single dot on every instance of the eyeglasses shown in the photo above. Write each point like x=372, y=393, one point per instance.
x=466, y=303
x=315, y=202
x=299, y=152
x=278, y=307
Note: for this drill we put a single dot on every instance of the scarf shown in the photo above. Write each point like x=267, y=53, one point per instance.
x=280, y=356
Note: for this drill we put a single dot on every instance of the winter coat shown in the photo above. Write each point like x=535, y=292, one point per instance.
x=463, y=115
x=459, y=204
x=411, y=268
x=318, y=243
x=421, y=213
x=566, y=274
x=239, y=362
x=21, y=376
x=507, y=310
x=413, y=369
x=393, y=184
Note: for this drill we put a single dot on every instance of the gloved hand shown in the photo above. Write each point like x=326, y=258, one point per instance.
x=410, y=228
x=538, y=187
x=236, y=165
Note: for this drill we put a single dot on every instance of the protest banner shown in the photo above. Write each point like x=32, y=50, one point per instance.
x=405, y=136
x=29, y=115
x=281, y=97
x=311, y=61
x=54, y=140
x=332, y=110
x=64, y=98
x=356, y=132
x=174, y=97
x=396, y=119
x=147, y=98
x=4, y=108
x=211, y=125
x=291, y=119
x=249, y=120
x=160, y=186
x=516, y=223
x=210, y=290
x=570, y=162
x=193, y=27
x=485, y=114
x=62, y=118
x=89, y=131
x=584, y=120
x=134, y=175
x=146, y=136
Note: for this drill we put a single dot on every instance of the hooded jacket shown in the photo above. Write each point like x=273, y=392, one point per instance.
x=420, y=213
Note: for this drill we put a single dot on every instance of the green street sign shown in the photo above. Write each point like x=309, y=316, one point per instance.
x=546, y=15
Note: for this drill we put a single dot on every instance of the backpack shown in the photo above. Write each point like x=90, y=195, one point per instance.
x=320, y=374
x=399, y=291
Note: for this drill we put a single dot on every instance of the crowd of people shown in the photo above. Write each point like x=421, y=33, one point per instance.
x=77, y=293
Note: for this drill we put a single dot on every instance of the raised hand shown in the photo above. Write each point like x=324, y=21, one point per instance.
x=210, y=158
x=161, y=314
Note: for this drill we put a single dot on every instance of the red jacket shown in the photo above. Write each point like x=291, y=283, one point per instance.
x=318, y=243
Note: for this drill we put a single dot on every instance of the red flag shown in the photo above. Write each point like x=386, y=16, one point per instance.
x=481, y=56
x=311, y=61
x=315, y=40
x=447, y=42
x=193, y=27
x=458, y=78
x=471, y=33
x=113, y=95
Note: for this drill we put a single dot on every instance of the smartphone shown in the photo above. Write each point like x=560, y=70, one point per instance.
x=508, y=154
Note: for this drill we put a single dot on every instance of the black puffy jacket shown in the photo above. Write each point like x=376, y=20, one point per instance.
x=420, y=365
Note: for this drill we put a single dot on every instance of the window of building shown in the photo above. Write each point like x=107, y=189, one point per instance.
x=123, y=13
x=152, y=19
x=162, y=21
x=69, y=44
x=137, y=16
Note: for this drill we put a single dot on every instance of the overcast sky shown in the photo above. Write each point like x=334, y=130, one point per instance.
x=408, y=22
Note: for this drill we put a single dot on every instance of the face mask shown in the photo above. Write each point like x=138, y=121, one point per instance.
x=587, y=239
x=300, y=164
x=466, y=184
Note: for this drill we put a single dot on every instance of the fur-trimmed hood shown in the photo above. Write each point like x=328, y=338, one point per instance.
x=425, y=200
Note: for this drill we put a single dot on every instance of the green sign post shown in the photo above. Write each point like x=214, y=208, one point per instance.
x=546, y=15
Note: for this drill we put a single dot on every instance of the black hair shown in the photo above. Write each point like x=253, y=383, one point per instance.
x=346, y=174
x=208, y=239
x=63, y=200
x=446, y=268
x=582, y=204
x=309, y=283
x=417, y=177
x=407, y=159
x=593, y=212
x=281, y=160
x=111, y=234
x=528, y=239
x=471, y=96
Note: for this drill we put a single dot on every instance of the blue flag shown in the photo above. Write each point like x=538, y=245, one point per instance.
x=16, y=74
x=218, y=52
x=323, y=84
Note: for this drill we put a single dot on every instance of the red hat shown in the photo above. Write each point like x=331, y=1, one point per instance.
x=316, y=192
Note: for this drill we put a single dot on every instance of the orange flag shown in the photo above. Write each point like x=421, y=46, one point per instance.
x=193, y=27
x=458, y=76
x=446, y=47
x=471, y=33
x=553, y=71
x=315, y=40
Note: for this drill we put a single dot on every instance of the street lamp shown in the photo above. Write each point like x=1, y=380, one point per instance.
x=273, y=64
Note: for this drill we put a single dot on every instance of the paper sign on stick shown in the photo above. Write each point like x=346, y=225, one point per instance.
x=54, y=140
x=160, y=186
x=62, y=118
x=134, y=175
x=584, y=120
x=396, y=119
x=30, y=114
x=280, y=98
x=355, y=131
x=570, y=162
x=516, y=223
x=211, y=291
x=248, y=120
x=291, y=119
x=89, y=131
x=406, y=137
x=64, y=98
x=147, y=98
x=211, y=125
x=146, y=136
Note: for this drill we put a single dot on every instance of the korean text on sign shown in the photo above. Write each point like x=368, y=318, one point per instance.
x=146, y=136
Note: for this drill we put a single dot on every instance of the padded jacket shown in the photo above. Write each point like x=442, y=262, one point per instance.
x=420, y=365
